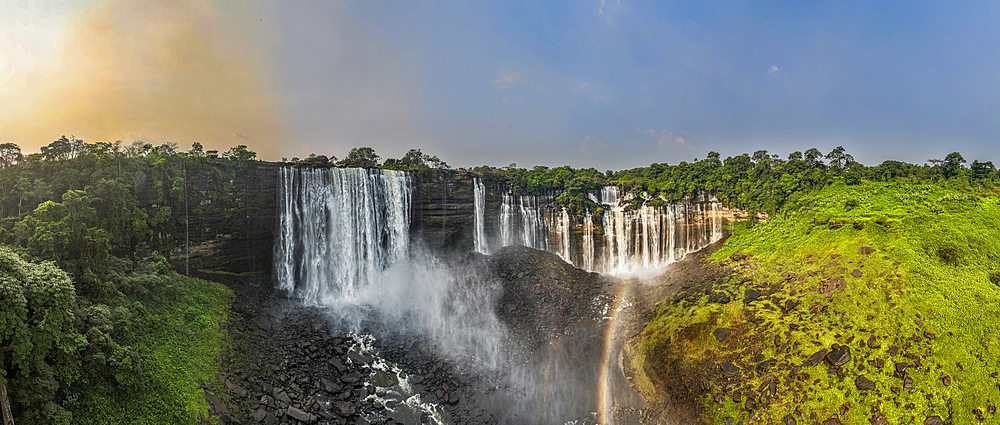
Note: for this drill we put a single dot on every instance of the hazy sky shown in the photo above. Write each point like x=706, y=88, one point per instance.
x=602, y=83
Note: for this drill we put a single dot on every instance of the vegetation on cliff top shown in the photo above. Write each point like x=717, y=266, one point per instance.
x=96, y=326
x=927, y=297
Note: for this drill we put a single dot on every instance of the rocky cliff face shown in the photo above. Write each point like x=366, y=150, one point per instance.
x=229, y=224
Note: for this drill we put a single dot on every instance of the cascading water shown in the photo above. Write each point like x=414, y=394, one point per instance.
x=480, y=244
x=343, y=243
x=339, y=228
x=632, y=239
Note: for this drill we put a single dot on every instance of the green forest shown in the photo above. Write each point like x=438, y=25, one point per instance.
x=98, y=326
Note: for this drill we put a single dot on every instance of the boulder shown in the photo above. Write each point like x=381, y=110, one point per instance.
x=856, y=273
x=934, y=420
x=839, y=357
x=879, y=419
x=814, y=359
x=864, y=384
x=722, y=334
x=729, y=369
x=299, y=415
x=866, y=250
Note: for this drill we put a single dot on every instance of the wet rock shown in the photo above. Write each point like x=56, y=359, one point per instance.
x=385, y=379
x=722, y=334
x=728, y=369
x=934, y=420
x=866, y=250
x=856, y=273
x=814, y=359
x=864, y=383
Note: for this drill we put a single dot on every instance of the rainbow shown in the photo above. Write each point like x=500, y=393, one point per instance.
x=604, y=398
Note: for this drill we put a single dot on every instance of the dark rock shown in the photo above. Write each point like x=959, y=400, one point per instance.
x=215, y=406
x=901, y=367
x=385, y=379
x=351, y=378
x=269, y=419
x=864, y=383
x=833, y=421
x=907, y=383
x=814, y=359
x=766, y=364
x=258, y=415
x=856, y=273
x=299, y=415
x=866, y=250
x=894, y=351
x=991, y=409
x=344, y=408
x=330, y=386
x=751, y=295
x=934, y=420
x=839, y=357
x=728, y=369
x=791, y=304
x=236, y=389
x=831, y=265
x=946, y=380
x=873, y=342
x=789, y=419
x=722, y=334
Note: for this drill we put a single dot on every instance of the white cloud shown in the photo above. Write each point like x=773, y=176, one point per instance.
x=666, y=138
x=773, y=70
x=507, y=79
x=590, y=146
x=617, y=4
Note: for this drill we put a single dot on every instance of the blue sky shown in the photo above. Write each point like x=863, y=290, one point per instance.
x=614, y=84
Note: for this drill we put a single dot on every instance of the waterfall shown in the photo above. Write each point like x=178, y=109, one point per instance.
x=342, y=243
x=716, y=222
x=480, y=219
x=562, y=229
x=588, y=242
x=338, y=228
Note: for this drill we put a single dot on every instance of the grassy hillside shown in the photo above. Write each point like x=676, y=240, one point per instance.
x=178, y=341
x=929, y=290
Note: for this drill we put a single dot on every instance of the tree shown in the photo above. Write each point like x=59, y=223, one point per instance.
x=240, y=153
x=952, y=165
x=197, y=150
x=10, y=154
x=840, y=159
x=982, y=170
x=38, y=342
x=360, y=158
x=813, y=158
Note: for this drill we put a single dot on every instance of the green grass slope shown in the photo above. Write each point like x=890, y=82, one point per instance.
x=929, y=290
x=178, y=341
